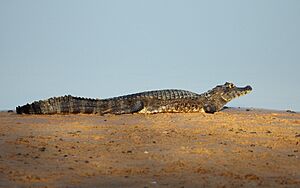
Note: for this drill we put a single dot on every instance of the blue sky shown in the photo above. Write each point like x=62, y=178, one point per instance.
x=115, y=47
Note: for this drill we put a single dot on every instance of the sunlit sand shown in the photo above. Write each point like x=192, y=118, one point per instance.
x=231, y=148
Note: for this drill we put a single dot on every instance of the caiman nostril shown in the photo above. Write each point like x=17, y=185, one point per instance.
x=248, y=88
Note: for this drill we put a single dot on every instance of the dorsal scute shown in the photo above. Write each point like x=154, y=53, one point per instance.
x=159, y=94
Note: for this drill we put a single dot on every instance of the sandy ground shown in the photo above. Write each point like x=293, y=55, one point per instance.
x=232, y=148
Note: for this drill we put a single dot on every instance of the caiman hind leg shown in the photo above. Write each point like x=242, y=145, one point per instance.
x=129, y=108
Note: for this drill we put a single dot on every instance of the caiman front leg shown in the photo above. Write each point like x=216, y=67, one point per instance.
x=210, y=108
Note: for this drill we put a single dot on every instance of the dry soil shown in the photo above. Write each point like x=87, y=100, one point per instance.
x=232, y=148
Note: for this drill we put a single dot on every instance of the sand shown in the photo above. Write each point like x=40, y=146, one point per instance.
x=232, y=148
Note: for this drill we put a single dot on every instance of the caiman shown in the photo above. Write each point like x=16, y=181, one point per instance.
x=149, y=102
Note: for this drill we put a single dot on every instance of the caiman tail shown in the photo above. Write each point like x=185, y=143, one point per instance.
x=62, y=105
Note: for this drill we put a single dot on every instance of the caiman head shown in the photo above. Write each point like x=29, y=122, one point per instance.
x=222, y=94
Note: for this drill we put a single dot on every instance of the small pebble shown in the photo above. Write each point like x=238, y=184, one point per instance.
x=291, y=111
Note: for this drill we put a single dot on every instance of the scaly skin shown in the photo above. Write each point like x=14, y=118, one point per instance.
x=159, y=101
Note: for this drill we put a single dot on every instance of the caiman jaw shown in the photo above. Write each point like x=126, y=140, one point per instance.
x=238, y=92
x=246, y=90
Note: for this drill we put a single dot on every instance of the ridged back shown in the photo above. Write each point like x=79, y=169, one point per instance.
x=159, y=94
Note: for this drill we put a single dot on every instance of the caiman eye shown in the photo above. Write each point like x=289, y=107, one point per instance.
x=229, y=85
